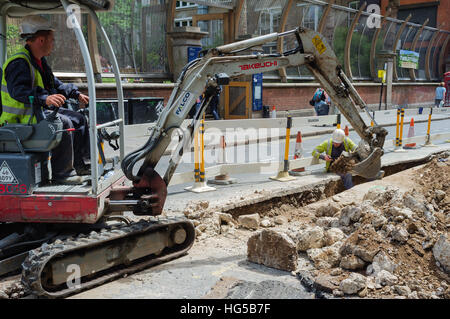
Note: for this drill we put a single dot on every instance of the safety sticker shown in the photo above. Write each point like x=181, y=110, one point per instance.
x=37, y=173
x=6, y=175
x=317, y=41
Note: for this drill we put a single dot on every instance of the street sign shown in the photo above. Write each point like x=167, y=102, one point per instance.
x=408, y=59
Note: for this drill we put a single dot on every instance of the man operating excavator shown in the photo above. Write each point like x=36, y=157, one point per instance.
x=26, y=74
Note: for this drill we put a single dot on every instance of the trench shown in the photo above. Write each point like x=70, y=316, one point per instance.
x=315, y=193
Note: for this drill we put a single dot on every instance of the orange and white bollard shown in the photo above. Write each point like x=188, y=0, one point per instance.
x=410, y=134
x=297, y=154
x=222, y=179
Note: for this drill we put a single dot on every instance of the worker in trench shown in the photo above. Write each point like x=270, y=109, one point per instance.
x=331, y=149
x=27, y=73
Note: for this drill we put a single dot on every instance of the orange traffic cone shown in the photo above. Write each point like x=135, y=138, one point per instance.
x=273, y=114
x=346, y=130
x=410, y=134
x=298, y=151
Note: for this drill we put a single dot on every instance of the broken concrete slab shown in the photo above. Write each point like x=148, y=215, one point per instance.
x=250, y=221
x=272, y=249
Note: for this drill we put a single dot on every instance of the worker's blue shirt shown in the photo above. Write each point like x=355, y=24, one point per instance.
x=18, y=78
x=440, y=91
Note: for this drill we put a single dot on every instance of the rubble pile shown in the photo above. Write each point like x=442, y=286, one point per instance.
x=392, y=244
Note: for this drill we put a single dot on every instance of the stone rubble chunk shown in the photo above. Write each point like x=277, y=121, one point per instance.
x=362, y=243
x=381, y=261
x=280, y=220
x=385, y=278
x=353, y=284
x=333, y=235
x=350, y=214
x=413, y=295
x=225, y=218
x=380, y=195
x=326, y=257
x=439, y=195
x=328, y=222
x=338, y=293
x=400, y=212
x=379, y=221
x=250, y=221
x=413, y=204
x=441, y=252
x=327, y=210
x=272, y=249
x=266, y=223
x=400, y=235
x=402, y=290
x=311, y=237
x=352, y=262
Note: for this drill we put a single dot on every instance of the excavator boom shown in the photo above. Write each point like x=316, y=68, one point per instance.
x=218, y=65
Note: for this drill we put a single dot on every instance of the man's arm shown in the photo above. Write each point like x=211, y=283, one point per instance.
x=19, y=81
x=351, y=144
x=317, y=152
x=70, y=91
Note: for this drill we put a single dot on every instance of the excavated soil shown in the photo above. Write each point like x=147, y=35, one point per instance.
x=416, y=270
x=342, y=165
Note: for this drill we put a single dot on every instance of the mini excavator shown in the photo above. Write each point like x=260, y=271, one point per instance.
x=45, y=229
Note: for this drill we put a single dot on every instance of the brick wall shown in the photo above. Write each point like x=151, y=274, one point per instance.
x=292, y=97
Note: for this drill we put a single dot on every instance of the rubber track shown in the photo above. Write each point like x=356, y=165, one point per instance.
x=39, y=257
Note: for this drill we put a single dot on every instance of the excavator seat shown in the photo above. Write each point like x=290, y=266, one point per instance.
x=24, y=153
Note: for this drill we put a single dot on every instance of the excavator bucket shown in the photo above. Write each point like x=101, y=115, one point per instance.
x=370, y=167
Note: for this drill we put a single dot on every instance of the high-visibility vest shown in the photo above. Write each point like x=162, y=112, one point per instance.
x=15, y=111
x=327, y=147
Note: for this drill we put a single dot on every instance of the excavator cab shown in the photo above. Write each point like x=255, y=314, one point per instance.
x=29, y=145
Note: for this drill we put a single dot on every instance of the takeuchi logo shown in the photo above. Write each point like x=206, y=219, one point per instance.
x=258, y=65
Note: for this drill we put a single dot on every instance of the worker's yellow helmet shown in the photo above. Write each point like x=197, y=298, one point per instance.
x=32, y=24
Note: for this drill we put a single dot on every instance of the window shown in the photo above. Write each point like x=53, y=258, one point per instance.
x=185, y=4
x=354, y=5
x=310, y=16
x=269, y=21
x=183, y=22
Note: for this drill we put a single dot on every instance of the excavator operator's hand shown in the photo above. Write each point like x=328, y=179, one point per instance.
x=56, y=100
x=83, y=99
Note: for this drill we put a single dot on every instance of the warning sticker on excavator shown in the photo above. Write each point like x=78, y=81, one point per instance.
x=6, y=175
x=317, y=41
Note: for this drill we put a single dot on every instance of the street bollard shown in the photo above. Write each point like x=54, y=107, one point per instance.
x=200, y=185
x=397, y=140
x=196, y=163
x=428, y=142
x=283, y=176
x=338, y=125
x=399, y=147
